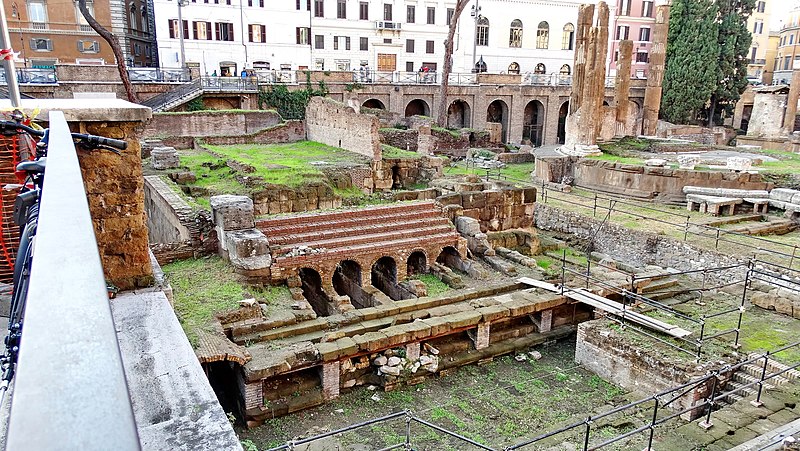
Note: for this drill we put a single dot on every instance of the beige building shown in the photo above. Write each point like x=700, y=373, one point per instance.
x=758, y=24
x=771, y=57
x=788, y=49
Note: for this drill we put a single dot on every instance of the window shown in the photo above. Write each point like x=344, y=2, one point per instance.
x=758, y=27
x=761, y=7
x=429, y=46
x=565, y=70
x=319, y=41
x=515, y=38
x=336, y=42
x=647, y=9
x=753, y=52
x=540, y=69
x=302, y=34
x=642, y=56
x=786, y=62
x=319, y=8
x=625, y=8
x=568, y=38
x=133, y=18
x=299, y=3
x=257, y=33
x=644, y=34
x=431, y=15
x=347, y=42
x=387, y=40
x=342, y=65
x=482, y=32
x=41, y=44
x=137, y=49
x=543, y=35
x=319, y=64
x=622, y=32
x=363, y=43
x=791, y=39
x=411, y=14
x=37, y=14
x=88, y=46
x=174, y=29
x=224, y=31
x=450, y=13
x=202, y=30
x=84, y=26
x=145, y=20
x=513, y=68
x=409, y=66
x=363, y=11
x=341, y=9
x=387, y=11
x=343, y=40
x=250, y=2
x=409, y=46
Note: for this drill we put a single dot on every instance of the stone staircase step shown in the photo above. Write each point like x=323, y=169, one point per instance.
x=343, y=241
x=391, y=225
x=755, y=370
x=745, y=378
x=394, y=209
x=656, y=285
x=742, y=391
x=310, y=227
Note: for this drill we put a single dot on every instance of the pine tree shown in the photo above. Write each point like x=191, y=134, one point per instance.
x=691, y=72
x=733, y=42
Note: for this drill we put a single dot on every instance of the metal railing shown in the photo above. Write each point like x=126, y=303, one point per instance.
x=552, y=79
x=590, y=430
x=227, y=84
x=159, y=75
x=70, y=369
x=32, y=76
x=276, y=77
x=160, y=101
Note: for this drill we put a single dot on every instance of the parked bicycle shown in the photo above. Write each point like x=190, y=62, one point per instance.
x=26, y=216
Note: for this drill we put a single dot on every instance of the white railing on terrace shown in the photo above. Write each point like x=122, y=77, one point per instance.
x=70, y=390
x=276, y=76
x=32, y=76
x=158, y=75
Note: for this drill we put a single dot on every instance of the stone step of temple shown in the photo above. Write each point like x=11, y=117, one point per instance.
x=746, y=378
x=355, y=228
x=343, y=253
x=321, y=224
x=776, y=227
x=773, y=367
x=336, y=242
x=738, y=391
x=299, y=219
x=650, y=286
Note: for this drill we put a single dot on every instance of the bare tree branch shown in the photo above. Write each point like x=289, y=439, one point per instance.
x=447, y=67
x=114, y=43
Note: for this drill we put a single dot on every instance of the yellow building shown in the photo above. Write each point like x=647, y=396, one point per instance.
x=758, y=24
x=771, y=57
x=788, y=49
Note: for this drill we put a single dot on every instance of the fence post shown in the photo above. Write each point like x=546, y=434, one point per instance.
x=588, y=269
x=594, y=209
x=707, y=423
x=686, y=228
x=716, y=242
x=794, y=253
x=741, y=306
x=652, y=425
x=700, y=339
x=408, y=431
x=563, y=271
x=588, y=431
x=757, y=402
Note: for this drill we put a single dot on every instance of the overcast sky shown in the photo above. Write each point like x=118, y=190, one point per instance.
x=780, y=12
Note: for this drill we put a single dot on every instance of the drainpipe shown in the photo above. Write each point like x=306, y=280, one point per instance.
x=244, y=43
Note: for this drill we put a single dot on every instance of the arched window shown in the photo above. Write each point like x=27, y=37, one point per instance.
x=133, y=17
x=482, y=32
x=565, y=70
x=515, y=38
x=513, y=68
x=568, y=40
x=540, y=69
x=144, y=19
x=543, y=35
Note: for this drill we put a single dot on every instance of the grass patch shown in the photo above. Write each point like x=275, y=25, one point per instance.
x=618, y=159
x=396, y=152
x=517, y=173
x=202, y=287
x=435, y=286
x=453, y=133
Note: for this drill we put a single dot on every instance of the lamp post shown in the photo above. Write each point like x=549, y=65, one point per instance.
x=476, y=13
x=181, y=4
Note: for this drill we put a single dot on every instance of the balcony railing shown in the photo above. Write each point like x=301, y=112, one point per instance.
x=158, y=75
x=228, y=84
x=32, y=76
x=276, y=77
x=70, y=369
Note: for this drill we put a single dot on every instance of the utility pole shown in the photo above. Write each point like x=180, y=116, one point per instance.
x=8, y=59
x=181, y=4
x=476, y=13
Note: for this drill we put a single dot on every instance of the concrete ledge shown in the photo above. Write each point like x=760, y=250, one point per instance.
x=100, y=110
x=174, y=406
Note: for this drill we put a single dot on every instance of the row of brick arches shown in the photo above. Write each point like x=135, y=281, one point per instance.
x=350, y=280
x=459, y=115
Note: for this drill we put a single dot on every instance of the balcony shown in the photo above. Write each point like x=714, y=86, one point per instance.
x=392, y=26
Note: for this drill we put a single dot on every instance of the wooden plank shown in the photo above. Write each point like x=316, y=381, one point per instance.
x=539, y=284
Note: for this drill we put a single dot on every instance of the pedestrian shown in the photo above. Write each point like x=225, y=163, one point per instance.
x=214, y=74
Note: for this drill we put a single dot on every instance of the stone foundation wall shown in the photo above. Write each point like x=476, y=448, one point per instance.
x=713, y=136
x=515, y=158
x=496, y=210
x=287, y=132
x=282, y=199
x=402, y=139
x=338, y=125
x=201, y=124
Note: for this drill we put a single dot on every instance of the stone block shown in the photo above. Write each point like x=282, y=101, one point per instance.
x=439, y=325
x=464, y=319
x=493, y=312
x=467, y=226
x=232, y=212
x=248, y=249
x=164, y=158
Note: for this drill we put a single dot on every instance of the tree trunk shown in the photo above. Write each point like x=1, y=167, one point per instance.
x=712, y=110
x=447, y=67
x=112, y=41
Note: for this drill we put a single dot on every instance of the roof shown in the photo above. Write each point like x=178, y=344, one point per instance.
x=778, y=89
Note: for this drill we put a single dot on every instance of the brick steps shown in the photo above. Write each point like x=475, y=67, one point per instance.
x=310, y=228
x=390, y=225
x=349, y=241
x=304, y=219
x=348, y=251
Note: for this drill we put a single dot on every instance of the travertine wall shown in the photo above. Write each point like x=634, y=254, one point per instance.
x=201, y=124
x=767, y=116
x=337, y=125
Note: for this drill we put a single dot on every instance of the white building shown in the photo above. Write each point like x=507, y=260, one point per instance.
x=516, y=36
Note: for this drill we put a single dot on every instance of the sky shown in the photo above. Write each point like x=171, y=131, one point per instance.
x=780, y=11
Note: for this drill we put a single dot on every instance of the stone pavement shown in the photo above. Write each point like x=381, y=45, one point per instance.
x=735, y=424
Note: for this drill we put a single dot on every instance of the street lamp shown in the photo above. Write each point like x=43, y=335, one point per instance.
x=476, y=13
x=181, y=4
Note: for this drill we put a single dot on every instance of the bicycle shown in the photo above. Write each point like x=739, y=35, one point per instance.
x=26, y=215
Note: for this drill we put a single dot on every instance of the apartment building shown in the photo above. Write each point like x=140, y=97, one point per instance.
x=634, y=20
x=788, y=49
x=758, y=24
